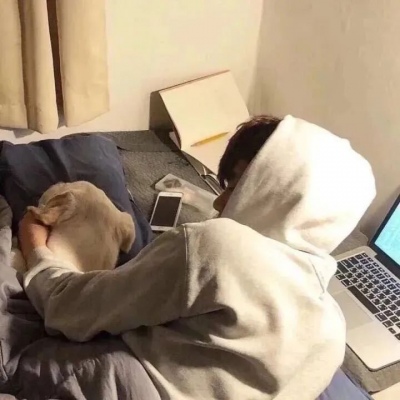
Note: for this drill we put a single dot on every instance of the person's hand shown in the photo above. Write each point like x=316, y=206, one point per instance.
x=32, y=234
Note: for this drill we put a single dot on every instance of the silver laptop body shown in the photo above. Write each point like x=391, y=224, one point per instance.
x=367, y=288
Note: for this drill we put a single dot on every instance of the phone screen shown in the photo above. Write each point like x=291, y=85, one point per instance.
x=166, y=210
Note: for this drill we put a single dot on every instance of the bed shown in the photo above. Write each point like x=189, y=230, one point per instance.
x=104, y=367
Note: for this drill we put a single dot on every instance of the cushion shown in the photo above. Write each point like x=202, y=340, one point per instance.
x=28, y=170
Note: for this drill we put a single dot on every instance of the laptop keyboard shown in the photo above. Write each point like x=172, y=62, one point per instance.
x=377, y=290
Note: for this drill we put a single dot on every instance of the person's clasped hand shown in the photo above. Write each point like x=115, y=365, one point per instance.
x=32, y=234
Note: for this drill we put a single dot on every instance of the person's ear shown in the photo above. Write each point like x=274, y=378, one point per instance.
x=125, y=232
x=58, y=208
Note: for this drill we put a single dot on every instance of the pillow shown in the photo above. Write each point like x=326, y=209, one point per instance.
x=28, y=170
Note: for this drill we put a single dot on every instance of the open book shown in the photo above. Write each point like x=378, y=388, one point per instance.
x=205, y=113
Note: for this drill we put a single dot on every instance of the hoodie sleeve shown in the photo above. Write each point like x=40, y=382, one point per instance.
x=149, y=290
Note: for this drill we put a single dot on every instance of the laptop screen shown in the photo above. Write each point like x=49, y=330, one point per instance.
x=388, y=240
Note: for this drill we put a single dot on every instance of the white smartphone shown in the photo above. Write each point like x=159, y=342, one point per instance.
x=166, y=211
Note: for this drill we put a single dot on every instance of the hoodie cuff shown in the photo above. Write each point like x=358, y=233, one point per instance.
x=37, y=255
x=38, y=260
x=42, y=258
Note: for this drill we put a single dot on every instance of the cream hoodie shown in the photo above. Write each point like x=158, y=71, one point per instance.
x=237, y=307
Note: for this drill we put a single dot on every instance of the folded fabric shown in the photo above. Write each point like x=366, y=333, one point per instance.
x=20, y=324
x=343, y=388
x=104, y=368
x=27, y=170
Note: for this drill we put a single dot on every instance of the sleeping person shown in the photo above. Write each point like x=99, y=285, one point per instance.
x=236, y=307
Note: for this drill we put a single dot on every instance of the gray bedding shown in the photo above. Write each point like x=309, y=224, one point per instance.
x=40, y=367
x=147, y=158
x=101, y=369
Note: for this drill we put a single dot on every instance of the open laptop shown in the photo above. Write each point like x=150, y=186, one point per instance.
x=367, y=288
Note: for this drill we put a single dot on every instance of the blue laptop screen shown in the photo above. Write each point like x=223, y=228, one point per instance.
x=389, y=239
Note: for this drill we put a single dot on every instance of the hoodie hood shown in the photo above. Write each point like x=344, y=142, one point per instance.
x=306, y=188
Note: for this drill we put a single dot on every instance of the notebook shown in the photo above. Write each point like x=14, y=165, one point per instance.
x=205, y=113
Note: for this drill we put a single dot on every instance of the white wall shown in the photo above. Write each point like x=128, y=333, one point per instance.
x=158, y=43
x=337, y=63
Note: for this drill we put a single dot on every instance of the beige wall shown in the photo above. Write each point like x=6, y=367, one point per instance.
x=337, y=63
x=157, y=43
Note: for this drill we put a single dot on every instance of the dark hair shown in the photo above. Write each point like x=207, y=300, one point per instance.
x=245, y=144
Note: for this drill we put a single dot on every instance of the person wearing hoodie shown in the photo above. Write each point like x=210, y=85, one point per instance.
x=236, y=307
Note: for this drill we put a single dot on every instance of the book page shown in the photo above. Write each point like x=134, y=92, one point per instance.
x=204, y=108
x=210, y=153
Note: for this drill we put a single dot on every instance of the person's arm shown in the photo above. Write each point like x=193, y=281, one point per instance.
x=149, y=290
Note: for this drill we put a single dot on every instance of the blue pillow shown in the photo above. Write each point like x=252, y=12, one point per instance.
x=28, y=170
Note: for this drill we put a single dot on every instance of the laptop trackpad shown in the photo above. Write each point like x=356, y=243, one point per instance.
x=354, y=314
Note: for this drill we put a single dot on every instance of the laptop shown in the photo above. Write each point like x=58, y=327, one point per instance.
x=367, y=288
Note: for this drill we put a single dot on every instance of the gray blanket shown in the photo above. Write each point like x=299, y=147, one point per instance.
x=147, y=158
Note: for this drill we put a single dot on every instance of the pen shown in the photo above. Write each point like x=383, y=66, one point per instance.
x=210, y=139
